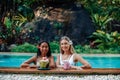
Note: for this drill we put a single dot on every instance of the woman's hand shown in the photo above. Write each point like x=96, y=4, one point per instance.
x=86, y=66
x=25, y=65
x=76, y=67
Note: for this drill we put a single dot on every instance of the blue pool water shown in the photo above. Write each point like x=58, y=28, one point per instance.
x=96, y=62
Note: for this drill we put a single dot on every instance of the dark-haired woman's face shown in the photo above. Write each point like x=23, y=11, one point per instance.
x=44, y=48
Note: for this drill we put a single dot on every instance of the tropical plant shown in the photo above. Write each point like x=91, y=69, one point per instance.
x=12, y=27
x=19, y=19
x=101, y=22
x=106, y=40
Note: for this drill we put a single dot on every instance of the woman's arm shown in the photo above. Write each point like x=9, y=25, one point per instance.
x=84, y=62
x=58, y=62
x=26, y=63
x=52, y=62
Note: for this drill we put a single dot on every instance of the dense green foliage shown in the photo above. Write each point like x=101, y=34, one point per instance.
x=86, y=49
x=54, y=47
x=103, y=7
x=102, y=12
x=26, y=47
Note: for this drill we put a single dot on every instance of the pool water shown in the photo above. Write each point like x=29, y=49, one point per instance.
x=103, y=62
x=12, y=61
x=96, y=62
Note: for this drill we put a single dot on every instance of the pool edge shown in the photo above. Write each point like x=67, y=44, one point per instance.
x=93, y=71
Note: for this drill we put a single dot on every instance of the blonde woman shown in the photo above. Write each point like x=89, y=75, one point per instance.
x=68, y=57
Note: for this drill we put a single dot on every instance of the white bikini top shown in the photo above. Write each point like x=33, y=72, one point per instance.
x=70, y=60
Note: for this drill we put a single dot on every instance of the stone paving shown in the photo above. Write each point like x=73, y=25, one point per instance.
x=57, y=77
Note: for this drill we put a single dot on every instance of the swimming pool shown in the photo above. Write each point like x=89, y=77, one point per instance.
x=96, y=61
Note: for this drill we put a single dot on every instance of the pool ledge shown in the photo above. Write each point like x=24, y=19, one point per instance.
x=95, y=71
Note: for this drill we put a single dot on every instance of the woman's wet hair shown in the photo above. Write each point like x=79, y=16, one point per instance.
x=49, y=50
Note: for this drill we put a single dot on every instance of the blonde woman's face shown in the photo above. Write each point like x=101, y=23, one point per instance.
x=65, y=45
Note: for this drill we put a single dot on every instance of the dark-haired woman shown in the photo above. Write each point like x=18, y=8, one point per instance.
x=44, y=52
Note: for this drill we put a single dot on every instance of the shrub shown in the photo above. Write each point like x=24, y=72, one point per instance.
x=26, y=47
x=54, y=47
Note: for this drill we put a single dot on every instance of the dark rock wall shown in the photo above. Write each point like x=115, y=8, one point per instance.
x=53, y=21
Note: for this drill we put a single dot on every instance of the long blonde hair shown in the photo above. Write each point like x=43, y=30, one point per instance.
x=72, y=50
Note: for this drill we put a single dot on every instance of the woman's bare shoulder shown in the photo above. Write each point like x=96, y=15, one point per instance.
x=77, y=55
x=34, y=57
